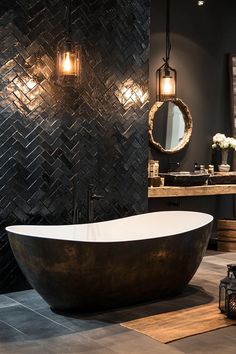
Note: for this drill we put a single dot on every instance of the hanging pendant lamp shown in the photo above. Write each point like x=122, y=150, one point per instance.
x=166, y=76
x=68, y=56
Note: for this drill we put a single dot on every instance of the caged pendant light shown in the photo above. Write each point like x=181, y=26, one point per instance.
x=166, y=76
x=68, y=56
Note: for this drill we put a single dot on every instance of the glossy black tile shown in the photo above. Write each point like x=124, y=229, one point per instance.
x=94, y=133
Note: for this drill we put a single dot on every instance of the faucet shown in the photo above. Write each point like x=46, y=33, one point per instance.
x=91, y=196
x=76, y=212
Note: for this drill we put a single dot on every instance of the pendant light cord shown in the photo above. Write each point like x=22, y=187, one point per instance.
x=168, y=44
x=69, y=29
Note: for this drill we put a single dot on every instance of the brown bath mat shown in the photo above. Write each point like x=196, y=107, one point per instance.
x=170, y=326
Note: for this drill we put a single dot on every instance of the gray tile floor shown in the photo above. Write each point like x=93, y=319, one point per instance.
x=27, y=325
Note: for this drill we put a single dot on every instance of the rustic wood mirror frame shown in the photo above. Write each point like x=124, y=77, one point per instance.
x=187, y=120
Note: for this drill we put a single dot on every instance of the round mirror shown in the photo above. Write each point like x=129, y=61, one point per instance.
x=170, y=125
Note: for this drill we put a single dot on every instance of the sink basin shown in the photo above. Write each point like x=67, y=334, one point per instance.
x=184, y=178
x=223, y=178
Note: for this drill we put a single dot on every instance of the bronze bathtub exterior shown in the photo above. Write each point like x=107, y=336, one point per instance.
x=84, y=276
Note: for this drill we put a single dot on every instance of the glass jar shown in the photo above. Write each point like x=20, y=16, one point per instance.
x=153, y=168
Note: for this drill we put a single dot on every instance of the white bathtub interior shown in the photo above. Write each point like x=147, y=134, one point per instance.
x=138, y=227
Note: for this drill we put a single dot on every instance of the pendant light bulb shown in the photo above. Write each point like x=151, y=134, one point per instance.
x=67, y=65
x=167, y=78
x=168, y=86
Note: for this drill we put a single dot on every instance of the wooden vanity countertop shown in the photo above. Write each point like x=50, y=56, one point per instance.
x=171, y=191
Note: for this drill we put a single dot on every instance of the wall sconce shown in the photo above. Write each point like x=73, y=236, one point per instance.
x=166, y=76
x=227, y=292
x=68, y=56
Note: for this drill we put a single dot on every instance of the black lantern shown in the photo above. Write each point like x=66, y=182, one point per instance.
x=68, y=56
x=227, y=292
x=166, y=76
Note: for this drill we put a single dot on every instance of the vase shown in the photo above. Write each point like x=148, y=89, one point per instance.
x=224, y=166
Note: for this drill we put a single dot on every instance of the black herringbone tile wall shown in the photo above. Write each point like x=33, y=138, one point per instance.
x=53, y=138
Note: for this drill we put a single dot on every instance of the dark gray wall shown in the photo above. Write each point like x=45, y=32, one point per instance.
x=201, y=38
x=51, y=136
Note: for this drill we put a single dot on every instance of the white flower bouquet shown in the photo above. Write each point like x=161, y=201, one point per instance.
x=220, y=141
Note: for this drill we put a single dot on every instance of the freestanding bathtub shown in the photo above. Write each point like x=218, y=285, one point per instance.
x=89, y=267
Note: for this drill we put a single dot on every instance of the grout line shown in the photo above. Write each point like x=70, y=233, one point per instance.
x=38, y=313
x=9, y=325
x=49, y=319
x=13, y=303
